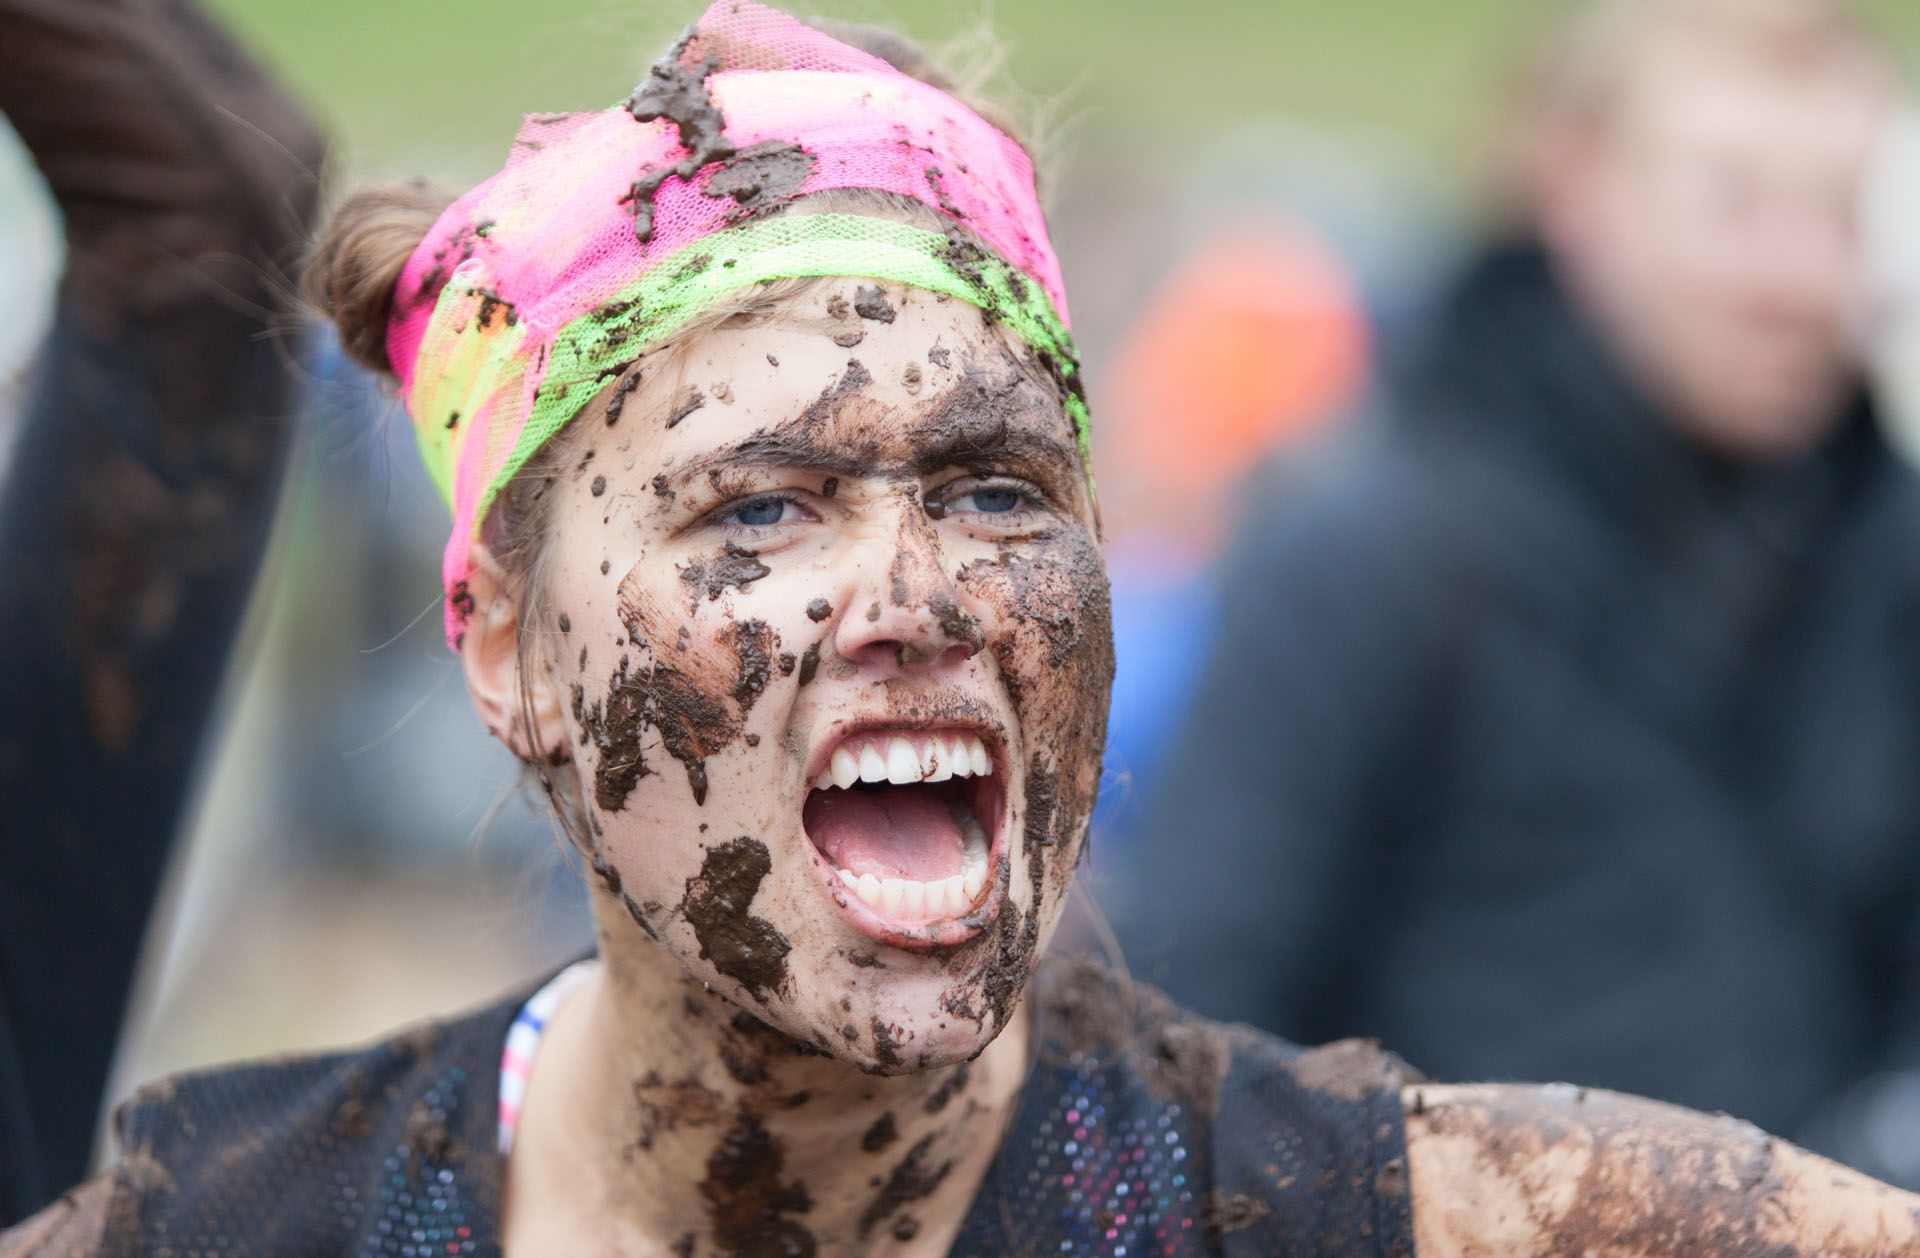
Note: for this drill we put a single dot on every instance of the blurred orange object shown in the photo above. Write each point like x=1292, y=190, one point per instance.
x=1257, y=340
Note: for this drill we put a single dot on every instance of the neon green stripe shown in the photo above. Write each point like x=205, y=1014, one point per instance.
x=591, y=348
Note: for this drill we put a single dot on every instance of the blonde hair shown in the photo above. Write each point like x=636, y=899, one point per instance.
x=1582, y=69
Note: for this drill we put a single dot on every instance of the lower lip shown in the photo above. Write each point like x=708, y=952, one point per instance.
x=924, y=936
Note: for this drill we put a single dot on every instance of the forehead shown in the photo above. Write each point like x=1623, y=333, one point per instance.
x=850, y=370
x=1824, y=112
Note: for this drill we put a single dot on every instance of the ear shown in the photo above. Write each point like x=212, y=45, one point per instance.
x=490, y=657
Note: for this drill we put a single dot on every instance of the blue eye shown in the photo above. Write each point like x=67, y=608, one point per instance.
x=996, y=501
x=758, y=512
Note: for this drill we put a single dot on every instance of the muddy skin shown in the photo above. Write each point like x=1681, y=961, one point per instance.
x=614, y=726
x=885, y=1050
x=940, y=356
x=871, y=303
x=753, y=643
x=642, y=915
x=986, y=409
x=748, y=1045
x=788, y=662
x=847, y=340
x=837, y=307
x=954, y=1084
x=883, y=1133
x=693, y=724
x=1570, y=1171
x=818, y=610
x=617, y=400
x=747, y=1201
x=734, y=568
x=668, y=1107
x=741, y=946
x=660, y=489
x=689, y=402
x=771, y=169
x=905, y=1229
x=910, y=1180
x=599, y=486
x=679, y=94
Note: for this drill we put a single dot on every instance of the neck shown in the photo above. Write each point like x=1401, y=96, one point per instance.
x=662, y=1118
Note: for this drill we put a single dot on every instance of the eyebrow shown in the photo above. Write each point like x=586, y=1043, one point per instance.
x=791, y=445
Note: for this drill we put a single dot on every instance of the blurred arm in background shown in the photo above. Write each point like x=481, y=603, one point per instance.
x=134, y=513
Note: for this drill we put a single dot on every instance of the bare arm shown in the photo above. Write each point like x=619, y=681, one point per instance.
x=71, y=1227
x=1503, y=1169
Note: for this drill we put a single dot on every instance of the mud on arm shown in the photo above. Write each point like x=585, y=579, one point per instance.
x=72, y=1227
x=1513, y=1169
x=155, y=428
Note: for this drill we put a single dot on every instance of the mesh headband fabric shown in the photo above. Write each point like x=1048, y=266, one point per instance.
x=604, y=234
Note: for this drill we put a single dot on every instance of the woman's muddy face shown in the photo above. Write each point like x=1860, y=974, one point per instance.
x=829, y=609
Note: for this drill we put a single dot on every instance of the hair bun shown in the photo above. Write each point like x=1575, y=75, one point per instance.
x=357, y=260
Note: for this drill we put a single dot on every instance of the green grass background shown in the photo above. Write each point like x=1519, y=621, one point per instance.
x=436, y=88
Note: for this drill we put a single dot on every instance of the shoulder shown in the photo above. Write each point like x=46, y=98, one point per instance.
x=73, y=1227
x=309, y=1151
x=1558, y=1169
x=1302, y=1150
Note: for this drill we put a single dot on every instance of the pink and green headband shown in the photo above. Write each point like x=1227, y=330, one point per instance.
x=609, y=230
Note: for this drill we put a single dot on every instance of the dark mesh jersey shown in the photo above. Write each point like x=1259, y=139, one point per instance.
x=1140, y=1131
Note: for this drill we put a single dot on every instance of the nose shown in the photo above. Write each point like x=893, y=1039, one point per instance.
x=907, y=612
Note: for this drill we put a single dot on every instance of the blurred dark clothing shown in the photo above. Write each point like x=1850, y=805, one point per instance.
x=1542, y=745
x=133, y=515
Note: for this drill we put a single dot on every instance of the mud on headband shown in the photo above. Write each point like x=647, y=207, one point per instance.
x=609, y=230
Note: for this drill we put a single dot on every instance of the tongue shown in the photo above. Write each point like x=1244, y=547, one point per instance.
x=888, y=831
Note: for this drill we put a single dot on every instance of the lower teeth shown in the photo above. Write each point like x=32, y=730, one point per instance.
x=943, y=897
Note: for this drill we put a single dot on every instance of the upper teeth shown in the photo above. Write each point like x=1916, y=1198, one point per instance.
x=899, y=759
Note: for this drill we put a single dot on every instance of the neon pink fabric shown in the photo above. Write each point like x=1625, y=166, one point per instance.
x=551, y=238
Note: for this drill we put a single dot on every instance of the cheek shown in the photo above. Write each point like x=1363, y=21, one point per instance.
x=1052, y=637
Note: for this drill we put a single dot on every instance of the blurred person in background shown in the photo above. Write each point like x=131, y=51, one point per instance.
x=1570, y=727
x=134, y=512
x=1257, y=342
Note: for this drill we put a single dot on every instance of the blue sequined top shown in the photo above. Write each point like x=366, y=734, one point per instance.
x=1148, y=1132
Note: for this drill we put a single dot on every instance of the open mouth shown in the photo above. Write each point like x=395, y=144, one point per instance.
x=907, y=821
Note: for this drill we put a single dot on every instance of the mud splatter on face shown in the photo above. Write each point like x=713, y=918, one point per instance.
x=734, y=568
x=753, y=644
x=885, y=1050
x=913, y=1178
x=871, y=303
x=614, y=726
x=741, y=946
x=809, y=663
x=690, y=401
x=749, y=1201
x=818, y=610
x=617, y=400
